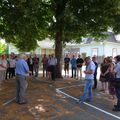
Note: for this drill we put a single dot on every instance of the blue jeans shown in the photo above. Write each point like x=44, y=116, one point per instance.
x=21, y=86
x=74, y=71
x=87, y=89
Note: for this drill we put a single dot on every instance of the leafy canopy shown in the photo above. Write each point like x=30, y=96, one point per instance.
x=23, y=22
x=3, y=48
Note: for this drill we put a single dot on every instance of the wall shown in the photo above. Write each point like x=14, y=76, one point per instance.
x=110, y=47
x=90, y=48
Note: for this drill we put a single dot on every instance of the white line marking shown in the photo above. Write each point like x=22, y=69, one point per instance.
x=70, y=86
x=6, y=103
x=110, y=114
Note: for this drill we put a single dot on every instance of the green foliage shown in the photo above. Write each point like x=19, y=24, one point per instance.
x=3, y=48
x=23, y=22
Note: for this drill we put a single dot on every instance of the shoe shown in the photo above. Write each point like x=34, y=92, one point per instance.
x=116, y=109
x=87, y=100
x=78, y=101
x=115, y=106
x=24, y=102
x=93, y=88
x=17, y=102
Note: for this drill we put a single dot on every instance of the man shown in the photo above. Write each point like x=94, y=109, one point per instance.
x=73, y=66
x=3, y=68
x=21, y=83
x=45, y=65
x=117, y=83
x=80, y=62
x=12, y=65
x=36, y=65
x=66, y=65
x=89, y=76
x=30, y=64
x=52, y=64
x=94, y=59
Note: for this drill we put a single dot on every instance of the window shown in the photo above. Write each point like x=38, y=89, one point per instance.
x=114, y=52
x=95, y=52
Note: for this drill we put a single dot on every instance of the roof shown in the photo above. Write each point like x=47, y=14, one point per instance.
x=110, y=38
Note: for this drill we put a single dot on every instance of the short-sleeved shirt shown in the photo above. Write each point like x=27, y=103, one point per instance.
x=117, y=70
x=45, y=61
x=67, y=60
x=52, y=61
x=3, y=63
x=80, y=62
x=73, y=63
x=22, y=67
x=12, y=63
x=91, y=66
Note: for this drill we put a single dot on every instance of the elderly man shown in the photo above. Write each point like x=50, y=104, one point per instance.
x=89, y=77
x=21, y=70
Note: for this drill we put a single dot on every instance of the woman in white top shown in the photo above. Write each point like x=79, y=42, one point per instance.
x=3, y=68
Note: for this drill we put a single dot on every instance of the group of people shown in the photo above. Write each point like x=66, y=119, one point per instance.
x=22, y=68
x=21, y=65
x=8, y=66
x=109, y=77
x=49, y=66
x=76, y=67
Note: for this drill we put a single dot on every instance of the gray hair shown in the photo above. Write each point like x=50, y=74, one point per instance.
x=22, y=56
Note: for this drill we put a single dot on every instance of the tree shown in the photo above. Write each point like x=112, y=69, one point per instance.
x=23, y=22
x=3, y=48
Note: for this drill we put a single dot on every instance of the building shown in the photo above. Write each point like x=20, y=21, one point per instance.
x=89, y=47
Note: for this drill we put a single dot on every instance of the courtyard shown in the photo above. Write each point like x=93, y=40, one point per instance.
x=48, y=100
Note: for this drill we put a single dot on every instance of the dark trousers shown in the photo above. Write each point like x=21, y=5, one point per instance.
x=53, y=72
x=117, y=89
x=44, y=70
x=31, y=68
x=95, y=80
x=11, y=72
x=73, y=72
x=7, y=72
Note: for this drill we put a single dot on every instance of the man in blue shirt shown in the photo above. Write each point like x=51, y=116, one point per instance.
x=21, y=83
x=89, y=77
x=73, y=66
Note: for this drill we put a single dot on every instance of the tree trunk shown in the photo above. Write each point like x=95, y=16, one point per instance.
x=58, y=53
x=60, y=8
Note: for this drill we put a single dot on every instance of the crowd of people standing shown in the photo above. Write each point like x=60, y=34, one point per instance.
x=8, y=65
x=18, y=66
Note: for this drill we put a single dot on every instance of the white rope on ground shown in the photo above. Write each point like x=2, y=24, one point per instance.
x=99, y=109
x=11, y=100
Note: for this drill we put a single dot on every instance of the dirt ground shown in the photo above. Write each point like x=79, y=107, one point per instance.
x=44, y=103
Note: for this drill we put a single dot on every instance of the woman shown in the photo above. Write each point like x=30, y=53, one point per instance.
x=3, y=68
x=103, y=79
x=110, y=77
